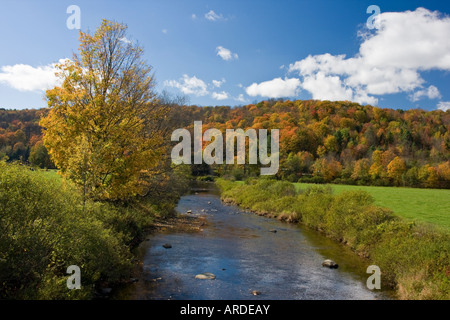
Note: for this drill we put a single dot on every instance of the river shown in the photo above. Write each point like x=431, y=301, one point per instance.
x=246, y=255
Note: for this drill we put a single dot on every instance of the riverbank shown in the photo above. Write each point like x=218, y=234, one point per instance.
x=414, y=258
x=246, y=256
x=46, y=227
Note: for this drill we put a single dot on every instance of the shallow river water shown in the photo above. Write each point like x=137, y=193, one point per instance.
x=244, y=253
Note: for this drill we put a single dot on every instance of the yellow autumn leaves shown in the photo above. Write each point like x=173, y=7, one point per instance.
x=98, y=131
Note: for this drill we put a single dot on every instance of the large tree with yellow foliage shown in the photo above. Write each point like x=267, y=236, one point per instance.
x=100, y=130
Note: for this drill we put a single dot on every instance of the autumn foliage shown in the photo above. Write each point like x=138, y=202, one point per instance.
x=345, y=142
x=98, y=128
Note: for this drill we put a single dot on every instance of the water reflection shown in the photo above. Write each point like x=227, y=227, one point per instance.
x=240, y=250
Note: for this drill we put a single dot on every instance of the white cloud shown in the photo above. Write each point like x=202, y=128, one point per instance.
x=220, y=95
x=390, y=60
x=125, y=40
x=240, y=98
x=212, y=16
x=24, y=77
x=431, y=93
x=444, y=105
x=164, y=31
x=193, y=16
x=218, y=83
x=275, y=88
x=326, y=87
x=189, y=85
x=226, y=54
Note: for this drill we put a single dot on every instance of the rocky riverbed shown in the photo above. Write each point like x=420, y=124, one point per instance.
x=217, y=251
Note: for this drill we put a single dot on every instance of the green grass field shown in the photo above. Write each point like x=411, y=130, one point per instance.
x=427, y=205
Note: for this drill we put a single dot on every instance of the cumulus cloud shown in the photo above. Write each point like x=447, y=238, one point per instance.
x=193, y=85
x=218, y=83
x=24, y=77
x=220, y=95
x=431, y=93
x=276, y=88
x=226, y=54
x=240, y=98
x=444, y=105
x=125, y=40
x=189, y=85
x=389, y=60
x=326, y=87
x=212, y=16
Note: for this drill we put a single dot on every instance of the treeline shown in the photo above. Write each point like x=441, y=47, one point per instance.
x=343, y=142
x=21, y=137
x=413, y=258
x=320, y=141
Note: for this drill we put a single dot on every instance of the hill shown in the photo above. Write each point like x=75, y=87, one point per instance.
x=320, y=141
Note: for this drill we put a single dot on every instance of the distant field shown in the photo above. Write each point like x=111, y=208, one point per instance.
x=428, y=205
x=52, y=173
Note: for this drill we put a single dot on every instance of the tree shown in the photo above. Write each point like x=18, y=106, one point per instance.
x=97, y=130
x=361, y=171
x=376, y=169
x=40, y=157
x=395, y=170
x=328, y=169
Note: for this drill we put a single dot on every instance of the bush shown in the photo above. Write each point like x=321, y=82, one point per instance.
x=44, y=228
x=414, y=258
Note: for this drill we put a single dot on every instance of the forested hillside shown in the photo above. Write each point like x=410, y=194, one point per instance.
x=344, y=142
x=21, y=137
x=320, y=141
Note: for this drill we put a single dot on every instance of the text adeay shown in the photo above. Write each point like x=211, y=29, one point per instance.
x=229, y=309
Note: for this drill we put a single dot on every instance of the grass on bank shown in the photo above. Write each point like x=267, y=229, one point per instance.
x=44, y=228
x=426, y=205
x=415, y=204
x=413, y=257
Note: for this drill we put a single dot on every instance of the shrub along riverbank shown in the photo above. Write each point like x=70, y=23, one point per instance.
x=413, y=258
x=45, y=228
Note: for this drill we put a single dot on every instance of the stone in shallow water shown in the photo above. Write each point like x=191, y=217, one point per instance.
x=167, y=245
x=206, y=276
x=330, y=264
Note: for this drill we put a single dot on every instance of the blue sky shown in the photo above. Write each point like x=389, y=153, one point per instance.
x=237, y=52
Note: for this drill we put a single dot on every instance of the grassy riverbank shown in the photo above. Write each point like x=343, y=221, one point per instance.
x=45, y=228
x=425, y=205
x=413, y=257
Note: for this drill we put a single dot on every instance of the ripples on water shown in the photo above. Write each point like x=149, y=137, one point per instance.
x=238, y=247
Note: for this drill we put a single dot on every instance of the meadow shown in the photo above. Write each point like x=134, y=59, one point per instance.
x=414, y=256
x=416, y=204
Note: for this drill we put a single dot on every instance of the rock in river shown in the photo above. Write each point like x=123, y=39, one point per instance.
x=167, y=245
x=206, y=276
x=330, y=264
